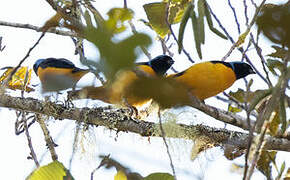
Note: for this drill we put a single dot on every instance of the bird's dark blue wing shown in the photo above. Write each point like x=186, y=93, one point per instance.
x=57, y=63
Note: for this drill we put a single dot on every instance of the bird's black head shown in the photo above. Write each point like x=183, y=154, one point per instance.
x=37, y=64
x=161, y=64
x=241, y=69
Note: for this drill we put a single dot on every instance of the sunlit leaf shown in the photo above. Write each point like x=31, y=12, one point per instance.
x=54, y=170
x=156, y=14
x=159, y=176
x=120, y=175
x=279, y=52
x=210, y=24
x=234, y=109
x=183, y=25
x=196, y=32
x=117, y=17
x=264, y=162
x=242, y=38
x=20, y=80
x=274, y=124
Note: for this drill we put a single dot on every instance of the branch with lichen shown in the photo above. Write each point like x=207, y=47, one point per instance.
x=37, y=29
x=119, y=120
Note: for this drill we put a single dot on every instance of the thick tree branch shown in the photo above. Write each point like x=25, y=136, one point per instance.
x=119, y=120
x=38, y=29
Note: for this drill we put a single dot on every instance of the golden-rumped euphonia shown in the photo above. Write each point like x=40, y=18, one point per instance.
x=57, y=74
x=210, y=78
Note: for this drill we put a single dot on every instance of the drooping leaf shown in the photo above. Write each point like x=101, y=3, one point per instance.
x=210, y=23
x=264, y=162
x=54, y=170
x=200, y=20
x=282, y=114
x=182, y=26
x=196, y=32
x=20, y=80
x=159, y=176
x=120, y=175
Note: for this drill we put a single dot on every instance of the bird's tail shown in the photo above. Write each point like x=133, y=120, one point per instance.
x=90, y=92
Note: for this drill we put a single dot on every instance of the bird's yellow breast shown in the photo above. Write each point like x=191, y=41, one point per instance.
x=123, y=81
x=207, y=79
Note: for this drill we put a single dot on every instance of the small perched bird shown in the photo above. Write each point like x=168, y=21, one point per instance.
x=57, y=74
x=208, y=79
x=117, y=91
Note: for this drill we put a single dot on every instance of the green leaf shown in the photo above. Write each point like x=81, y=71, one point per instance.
x=234, y=109
x=159, y=176
x=115, y=55
x=264, y=162
x=195, y=28
x=274, y=124
x=117, y=17
x=210, y=24
x=282, y=114
x=273, y=64
x=183, y=25
x=282, y=168
x=258, y=97
x=200, y=19
x=54, y=170
x=156, y=14
x=279, y=52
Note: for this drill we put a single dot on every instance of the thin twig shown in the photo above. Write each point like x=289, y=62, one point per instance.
x=32, y=152
x=166, y=145
x=48, y=139
x=235, y=15
x=38, y=29
x=25, y=57
x=263, y=61
x=240, y=49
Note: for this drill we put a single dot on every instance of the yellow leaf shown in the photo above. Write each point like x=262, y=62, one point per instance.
x=20, y=80
x=242, y=38
x=120, y=176
x=54, y=170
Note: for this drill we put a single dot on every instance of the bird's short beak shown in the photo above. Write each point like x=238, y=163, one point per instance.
x=252, y=71
x=171, y=61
